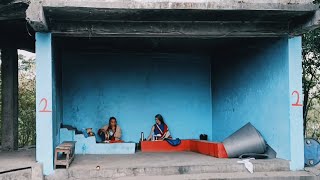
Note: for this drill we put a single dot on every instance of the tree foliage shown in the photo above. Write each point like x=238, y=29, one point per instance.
x=27, y=102
x=311, y=83
x=311, y=74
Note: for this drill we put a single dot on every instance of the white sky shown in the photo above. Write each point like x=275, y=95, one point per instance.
x=27, y=54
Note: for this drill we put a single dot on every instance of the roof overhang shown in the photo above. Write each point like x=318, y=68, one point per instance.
x=15, y=31
x=173, y=18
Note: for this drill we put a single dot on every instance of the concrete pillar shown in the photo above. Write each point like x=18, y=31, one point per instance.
x=296, y=101
x=9, y=92
x=44, y=123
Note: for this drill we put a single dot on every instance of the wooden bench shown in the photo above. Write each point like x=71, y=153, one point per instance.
x=66, y=148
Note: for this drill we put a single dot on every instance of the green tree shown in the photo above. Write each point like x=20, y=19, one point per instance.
x=311, y=68
x=311, y=73
x=27, y=101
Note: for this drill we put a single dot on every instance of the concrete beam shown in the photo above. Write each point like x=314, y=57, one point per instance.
x=9, y=92
x=297, y=5
x=5, y=2
x=18, y=43
x=13, y=11
x=168, y=29
x=17, y=34
x=99, y=14
x=72, y=16
x=35, y=16
x=300, y=25
x=14, y=31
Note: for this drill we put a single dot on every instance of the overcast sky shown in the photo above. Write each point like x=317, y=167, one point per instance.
x=27, y=54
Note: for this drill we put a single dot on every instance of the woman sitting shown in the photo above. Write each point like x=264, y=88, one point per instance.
x=160, y=130
x=111, y=131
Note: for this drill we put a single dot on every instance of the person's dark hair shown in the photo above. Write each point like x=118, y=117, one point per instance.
x=110, y=119
x=158, y=116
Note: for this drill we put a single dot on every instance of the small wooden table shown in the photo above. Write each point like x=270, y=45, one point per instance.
x=67, y=148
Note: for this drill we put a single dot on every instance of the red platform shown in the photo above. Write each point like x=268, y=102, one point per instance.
x=203, y=147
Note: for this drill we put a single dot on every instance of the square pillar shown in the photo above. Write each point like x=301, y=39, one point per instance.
x=44, y=123
x=9, y=93
x=296, y=103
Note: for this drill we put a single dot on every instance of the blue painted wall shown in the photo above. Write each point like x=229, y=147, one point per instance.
x=56, y=96
x=45, y=123
x=134, y=88
x=296, y=112
x=250, y=83
x=217, y=94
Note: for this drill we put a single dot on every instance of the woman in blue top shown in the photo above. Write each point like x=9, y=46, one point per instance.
x=160, y=130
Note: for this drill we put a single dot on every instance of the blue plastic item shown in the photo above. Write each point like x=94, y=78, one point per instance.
x=173, y=142
x=311, y=152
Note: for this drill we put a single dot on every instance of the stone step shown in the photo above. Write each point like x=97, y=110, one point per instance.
x=25, y=174
x=280, y=175
x=159, y=164
x=21, y=172
x=89, y=172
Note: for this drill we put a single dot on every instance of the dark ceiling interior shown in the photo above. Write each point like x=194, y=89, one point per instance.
x=15, y=32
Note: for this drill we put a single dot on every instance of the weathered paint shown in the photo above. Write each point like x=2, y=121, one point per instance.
x=44, y=123
x=56, y=97
x=296, y=110
x=136, y=87
x=67, y=135
x=250, y=84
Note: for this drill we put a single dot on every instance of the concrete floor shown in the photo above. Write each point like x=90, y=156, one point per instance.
x=19, y=159
x=182, y=165
x=20, y=165
x=140, y=160
x=26, y=158
x=288, y=175
x=158, y=164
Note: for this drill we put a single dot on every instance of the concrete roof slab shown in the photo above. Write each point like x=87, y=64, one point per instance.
x=99, y=14
x=295, y=5
x=13, y=11
x=212, y=18
x=14, y=31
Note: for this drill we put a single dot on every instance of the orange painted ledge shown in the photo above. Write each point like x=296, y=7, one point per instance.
x=203, y=147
